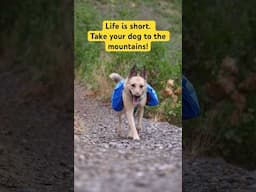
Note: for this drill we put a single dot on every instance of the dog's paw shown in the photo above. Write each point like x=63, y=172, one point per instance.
x=133, y=136
x=120, y=135
x=119, y=132
x=139, y=129
x=130, y=135
x=136, y=137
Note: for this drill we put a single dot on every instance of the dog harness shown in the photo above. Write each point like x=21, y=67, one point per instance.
x=117, y=99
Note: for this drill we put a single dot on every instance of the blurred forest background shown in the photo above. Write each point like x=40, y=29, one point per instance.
x=36, y=95
x=93, y=64
x=219, y=58
x=32, y=34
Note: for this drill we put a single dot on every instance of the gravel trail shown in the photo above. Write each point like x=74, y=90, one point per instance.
x=105, y=162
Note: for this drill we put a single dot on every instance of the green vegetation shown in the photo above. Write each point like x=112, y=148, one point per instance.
x=221, y=29
x=93, y=64
x=32, y=36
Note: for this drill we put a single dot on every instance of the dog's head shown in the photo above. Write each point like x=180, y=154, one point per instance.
x=136, y=84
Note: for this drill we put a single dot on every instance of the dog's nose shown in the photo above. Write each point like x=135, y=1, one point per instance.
x=137, y=94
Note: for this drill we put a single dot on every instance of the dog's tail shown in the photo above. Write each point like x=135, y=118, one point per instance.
x=116, y=77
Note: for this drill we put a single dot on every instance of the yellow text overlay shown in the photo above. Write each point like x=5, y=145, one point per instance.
x=128, y=36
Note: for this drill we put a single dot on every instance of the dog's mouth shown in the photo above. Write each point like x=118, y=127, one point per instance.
x=135, y=100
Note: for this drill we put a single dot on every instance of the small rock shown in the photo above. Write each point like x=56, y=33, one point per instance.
x=81, y=157
x=140, y=174
x=105, y=145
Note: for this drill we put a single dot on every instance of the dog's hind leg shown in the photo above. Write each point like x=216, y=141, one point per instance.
x=132, y=129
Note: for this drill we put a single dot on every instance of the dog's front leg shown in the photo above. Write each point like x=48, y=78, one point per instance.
x=140, y=116
x=119, y=128
x=132, y=129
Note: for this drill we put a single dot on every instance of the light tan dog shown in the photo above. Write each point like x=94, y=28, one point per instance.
x=134, y=95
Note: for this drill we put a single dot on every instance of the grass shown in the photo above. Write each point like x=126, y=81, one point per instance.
x=93, y=64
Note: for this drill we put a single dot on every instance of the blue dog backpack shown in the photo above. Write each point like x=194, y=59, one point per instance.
x=190, y=104
x=152, y=99
x=117, y=100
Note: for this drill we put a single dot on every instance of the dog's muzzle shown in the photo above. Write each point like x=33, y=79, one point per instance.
x=136, y=99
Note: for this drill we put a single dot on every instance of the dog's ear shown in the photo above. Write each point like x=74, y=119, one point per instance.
x=143, y=72
x=133, y=71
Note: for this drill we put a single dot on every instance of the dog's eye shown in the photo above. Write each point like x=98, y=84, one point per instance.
x=133, y=85
x=141, y=86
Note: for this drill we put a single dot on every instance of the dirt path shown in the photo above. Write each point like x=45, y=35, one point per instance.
x=215, y=175
x=104, y=162
x=34, y=156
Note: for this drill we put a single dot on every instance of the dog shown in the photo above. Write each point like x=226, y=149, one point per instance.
x=134, y=95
